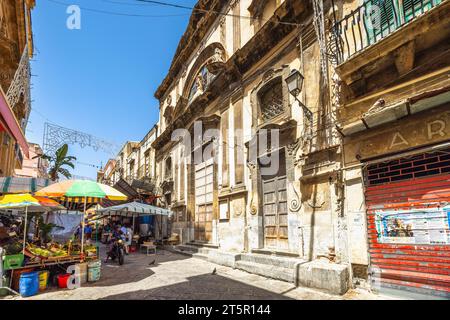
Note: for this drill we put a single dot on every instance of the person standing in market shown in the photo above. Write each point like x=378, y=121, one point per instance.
x=88, y=233
x=125, y=237
x=128, y=238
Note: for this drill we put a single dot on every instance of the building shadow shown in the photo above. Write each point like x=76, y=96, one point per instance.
x=137, y=267
x=202, y=287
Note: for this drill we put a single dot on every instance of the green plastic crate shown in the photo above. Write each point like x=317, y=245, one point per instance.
x=13, y=261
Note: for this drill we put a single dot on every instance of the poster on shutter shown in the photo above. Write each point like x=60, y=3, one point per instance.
x=417, y=226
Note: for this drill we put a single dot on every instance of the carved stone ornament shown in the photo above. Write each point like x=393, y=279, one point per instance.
x=252, y=169
x=268, y=75
x=293, y=148
x=216, y=61
x=169, y=100
x=295, y=204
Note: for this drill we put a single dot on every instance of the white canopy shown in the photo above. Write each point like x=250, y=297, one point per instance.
x=134, y=209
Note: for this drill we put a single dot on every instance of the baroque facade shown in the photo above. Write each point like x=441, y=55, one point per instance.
x=226, y=115
x=361, y=188
x=16, y=47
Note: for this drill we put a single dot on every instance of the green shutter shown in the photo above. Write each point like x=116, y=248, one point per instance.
x=413, y=8
x=388, y=19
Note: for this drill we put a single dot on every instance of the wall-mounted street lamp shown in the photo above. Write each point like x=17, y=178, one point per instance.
x=295, y=85
x=295, y=82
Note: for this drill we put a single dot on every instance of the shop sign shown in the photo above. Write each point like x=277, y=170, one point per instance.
x=429, y=129
x=416, y=226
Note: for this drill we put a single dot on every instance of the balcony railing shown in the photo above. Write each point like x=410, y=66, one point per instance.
x=371, y=22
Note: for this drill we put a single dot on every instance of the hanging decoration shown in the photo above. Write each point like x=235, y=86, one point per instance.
x=20, y=87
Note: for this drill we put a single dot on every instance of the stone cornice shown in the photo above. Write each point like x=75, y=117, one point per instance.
x=199, y=25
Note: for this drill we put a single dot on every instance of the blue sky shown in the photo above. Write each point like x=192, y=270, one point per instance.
x=101, y=79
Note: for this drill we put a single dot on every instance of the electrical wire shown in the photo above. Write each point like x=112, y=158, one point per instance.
x=167, y=4
x=115, y=13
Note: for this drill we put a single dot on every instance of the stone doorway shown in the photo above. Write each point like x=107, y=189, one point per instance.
x=274, y=206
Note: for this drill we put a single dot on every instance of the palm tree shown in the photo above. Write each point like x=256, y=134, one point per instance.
x=58, y=161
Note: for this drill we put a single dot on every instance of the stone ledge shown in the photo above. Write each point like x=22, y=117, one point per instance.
x=223, y=258
x=269, y=271
x=324, y=275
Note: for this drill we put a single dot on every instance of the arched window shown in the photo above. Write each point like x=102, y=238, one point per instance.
x=271, y=99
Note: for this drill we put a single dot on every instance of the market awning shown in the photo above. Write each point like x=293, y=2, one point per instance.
x=126, y=189
x=136, y=209
x=9, y=124
x=22, y=185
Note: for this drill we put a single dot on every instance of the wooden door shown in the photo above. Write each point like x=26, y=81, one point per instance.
x=275, y=212
x=204, y=182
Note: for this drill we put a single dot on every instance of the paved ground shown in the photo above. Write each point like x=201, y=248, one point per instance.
x=175, y=276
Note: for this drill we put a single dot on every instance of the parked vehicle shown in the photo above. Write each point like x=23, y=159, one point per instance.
x=117, y=251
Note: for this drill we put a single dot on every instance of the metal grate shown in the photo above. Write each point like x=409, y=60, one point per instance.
x=417, y=166
x=409, y=265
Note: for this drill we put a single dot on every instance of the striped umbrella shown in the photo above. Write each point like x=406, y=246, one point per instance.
x=81, y=190
x=30, y=203
x=22, y=184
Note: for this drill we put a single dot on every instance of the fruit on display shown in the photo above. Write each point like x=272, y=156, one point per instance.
x=37, y=251
x=53, y=251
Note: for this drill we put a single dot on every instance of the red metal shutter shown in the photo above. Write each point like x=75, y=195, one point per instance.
x=421, y=182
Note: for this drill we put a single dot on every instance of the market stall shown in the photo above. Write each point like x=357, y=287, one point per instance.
x=135, y=210
x=81, y=191
x=25, y=256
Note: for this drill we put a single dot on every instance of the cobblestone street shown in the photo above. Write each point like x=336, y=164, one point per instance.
x=175, y=276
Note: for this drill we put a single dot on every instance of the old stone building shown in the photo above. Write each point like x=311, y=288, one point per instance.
x=133, y=168
x=247, y=92
x=16, y=47
x=391, y=88
x=33, y=166
x=308, y=141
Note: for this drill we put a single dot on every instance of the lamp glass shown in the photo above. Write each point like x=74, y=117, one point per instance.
x=295, y=82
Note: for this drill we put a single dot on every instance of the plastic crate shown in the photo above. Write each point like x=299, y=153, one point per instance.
x=12, y=262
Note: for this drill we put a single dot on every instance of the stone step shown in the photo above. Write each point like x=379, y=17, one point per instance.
x=186, y=248
x=203, y=244
x=200, y=256
x=212, y=255
x=277, y=261
x=190, y=251
x=266, y=270
x=193, y=249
